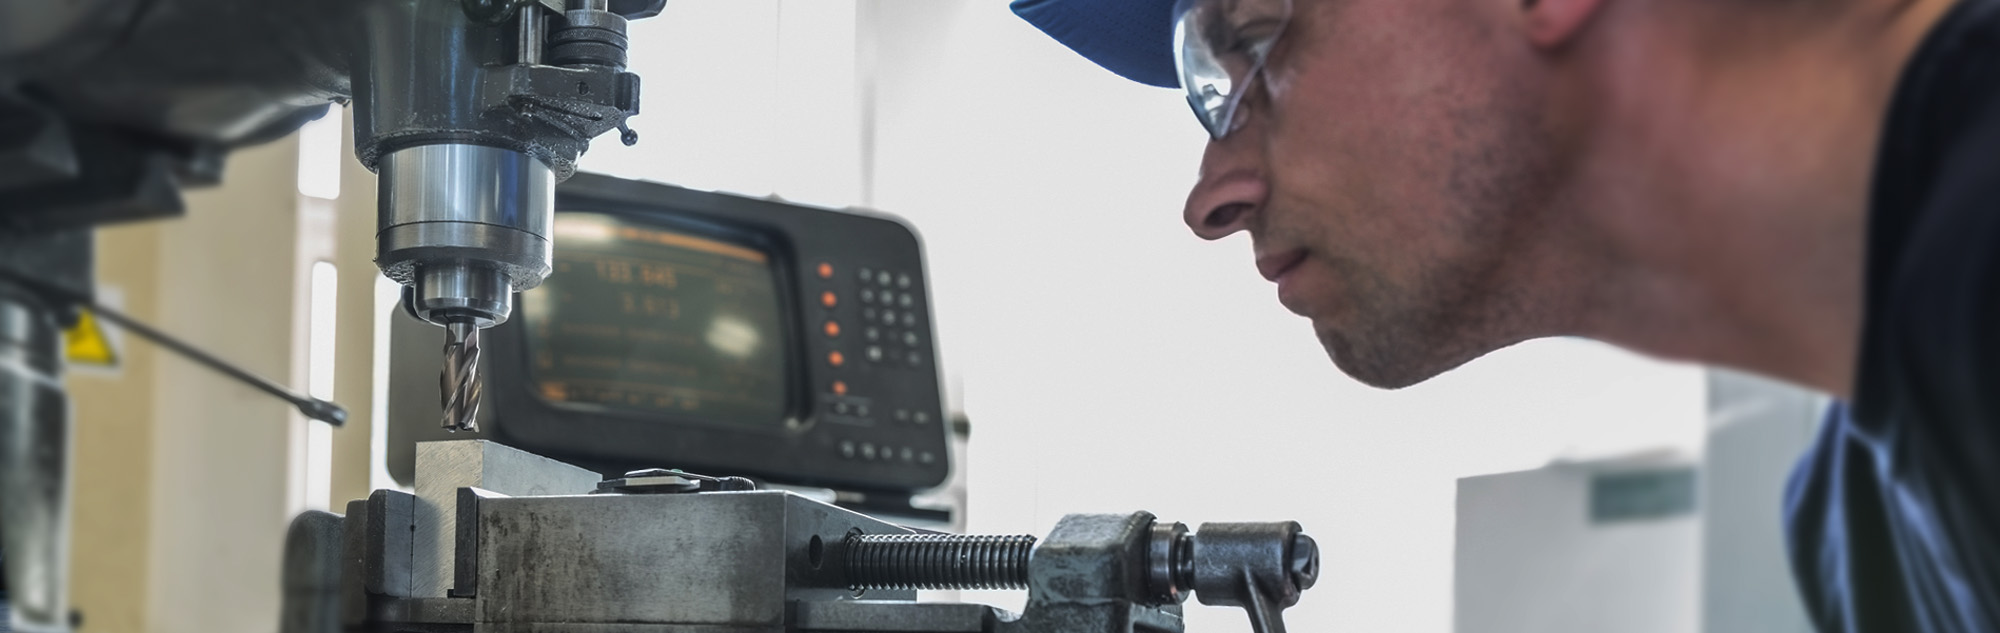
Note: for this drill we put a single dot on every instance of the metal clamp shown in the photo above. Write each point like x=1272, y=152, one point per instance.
x=1261, y=567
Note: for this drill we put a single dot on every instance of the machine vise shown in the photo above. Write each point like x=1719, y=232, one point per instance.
x=669, y=552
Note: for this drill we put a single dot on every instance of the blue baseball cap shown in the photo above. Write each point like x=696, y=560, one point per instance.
x=1134, y=38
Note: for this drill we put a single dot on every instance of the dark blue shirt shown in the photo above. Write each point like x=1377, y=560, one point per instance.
x=1894, y=514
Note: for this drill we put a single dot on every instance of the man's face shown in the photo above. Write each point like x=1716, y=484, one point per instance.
x=1393, y=178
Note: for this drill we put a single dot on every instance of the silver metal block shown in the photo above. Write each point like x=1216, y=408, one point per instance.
x=444, y=467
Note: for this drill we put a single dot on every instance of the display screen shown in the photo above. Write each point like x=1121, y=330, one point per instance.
x=643, y=318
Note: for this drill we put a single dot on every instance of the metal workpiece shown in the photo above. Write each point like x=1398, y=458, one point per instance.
x=445, y=467
x=34, y=465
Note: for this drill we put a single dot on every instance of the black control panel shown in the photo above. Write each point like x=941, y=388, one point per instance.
x=708, y=332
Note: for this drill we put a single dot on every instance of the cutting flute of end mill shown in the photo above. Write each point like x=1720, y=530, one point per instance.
x=459, y=384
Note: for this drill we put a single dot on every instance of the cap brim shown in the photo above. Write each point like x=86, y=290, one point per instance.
x=1133, y=38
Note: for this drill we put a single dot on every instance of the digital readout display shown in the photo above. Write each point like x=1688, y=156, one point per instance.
x=645, y=319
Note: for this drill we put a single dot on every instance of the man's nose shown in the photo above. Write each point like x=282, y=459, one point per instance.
x=1231, y=188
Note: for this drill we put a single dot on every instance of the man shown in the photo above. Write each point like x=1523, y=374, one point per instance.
x=1808, y=189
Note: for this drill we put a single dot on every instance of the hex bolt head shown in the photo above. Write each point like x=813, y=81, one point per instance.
x=1304, y=564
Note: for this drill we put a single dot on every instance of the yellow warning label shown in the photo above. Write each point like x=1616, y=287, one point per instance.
x=88, y=344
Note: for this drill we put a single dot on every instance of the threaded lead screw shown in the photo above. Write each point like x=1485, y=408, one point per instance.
x=937, y=561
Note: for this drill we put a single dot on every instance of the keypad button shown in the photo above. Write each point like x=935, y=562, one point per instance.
x=910, y=339
x=903, y=280
x=868, y=314
x=868, y=295
x=921, y=417
x=866, y=275
x=825, y=270
x=841, y=408
x=908, y=454
x=902, y=415
x=882, y=277
x=847, y=449
x=926, y=457
x=889, y=317
x=861, y=410
x=867, y=451
x=874, y=353
x=873, y=333
x=909, y=319
x=914, y=359
x=906, y=300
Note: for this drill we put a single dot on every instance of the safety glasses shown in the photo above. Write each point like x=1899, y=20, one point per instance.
x=1220, y=47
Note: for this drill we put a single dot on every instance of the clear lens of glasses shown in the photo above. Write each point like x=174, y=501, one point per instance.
x=1219, y=46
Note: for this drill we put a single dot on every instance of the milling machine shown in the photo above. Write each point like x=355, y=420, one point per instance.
x=469, y=112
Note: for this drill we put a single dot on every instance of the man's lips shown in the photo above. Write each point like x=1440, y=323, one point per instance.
x=1275, y=266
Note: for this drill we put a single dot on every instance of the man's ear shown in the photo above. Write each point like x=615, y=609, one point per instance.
x=1553, y=23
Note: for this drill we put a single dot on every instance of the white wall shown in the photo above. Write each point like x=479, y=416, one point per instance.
x=1532, y=559
x=747, y=96
x=229, y=281
x=1109, y=360
x=1757, y=429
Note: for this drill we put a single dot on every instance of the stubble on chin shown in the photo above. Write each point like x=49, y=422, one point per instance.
x=1387, y=342
x=1466, y=298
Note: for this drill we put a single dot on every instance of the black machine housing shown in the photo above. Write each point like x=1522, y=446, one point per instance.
x=881, y=428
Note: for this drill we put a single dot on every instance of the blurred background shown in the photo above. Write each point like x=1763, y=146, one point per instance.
x=1107, y=359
